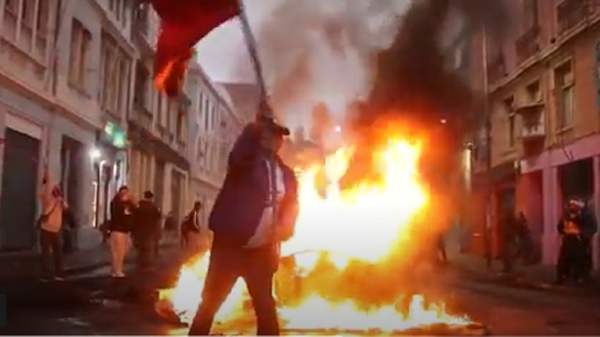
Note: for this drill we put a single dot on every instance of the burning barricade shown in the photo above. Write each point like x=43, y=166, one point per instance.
x=340, y=270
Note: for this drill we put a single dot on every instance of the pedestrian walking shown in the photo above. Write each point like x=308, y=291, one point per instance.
x=50, y=224
x=122, y=209
x=146, y=231
x=263, y=192
x=571, y=258
x=508, y=227
x=192, y=230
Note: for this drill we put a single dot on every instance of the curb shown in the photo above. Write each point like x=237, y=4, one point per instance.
x=520, y=282
x=77, y=270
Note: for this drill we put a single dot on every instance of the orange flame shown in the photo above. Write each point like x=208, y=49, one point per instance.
x=365, y=224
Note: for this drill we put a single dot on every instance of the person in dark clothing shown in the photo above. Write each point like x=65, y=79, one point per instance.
x=589, y=229
x=571, y=258
x=509, y=238
x=146, y=232
x=524, y=240
x=122, y=209
x=191, y=230
x=263, y=191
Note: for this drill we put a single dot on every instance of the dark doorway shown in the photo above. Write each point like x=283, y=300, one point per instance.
x=18, y=204
x=72, y=160
x=176, y=183
x=159, y=181
x=577, y=179
x=506, y=201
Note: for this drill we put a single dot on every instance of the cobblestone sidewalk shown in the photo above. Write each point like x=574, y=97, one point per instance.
x=538, y=277
x=25, y=266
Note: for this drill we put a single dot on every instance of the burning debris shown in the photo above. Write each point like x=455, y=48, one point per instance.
x=347, y=263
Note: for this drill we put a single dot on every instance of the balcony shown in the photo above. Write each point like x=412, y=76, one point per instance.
x=141, y=116
x=528, y=44
x=528, y=110
x=571, y=13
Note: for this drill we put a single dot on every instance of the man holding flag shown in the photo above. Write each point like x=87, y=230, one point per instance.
x=259, y=187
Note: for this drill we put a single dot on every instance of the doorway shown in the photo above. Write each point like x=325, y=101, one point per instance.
x=18, y=203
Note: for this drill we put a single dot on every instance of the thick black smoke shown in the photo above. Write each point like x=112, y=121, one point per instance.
x=413, y=83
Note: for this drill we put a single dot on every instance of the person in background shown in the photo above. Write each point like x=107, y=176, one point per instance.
x=508, y=227
x=191, y=230
x=572, y=253
x=589, y=229
x=146, y=231
x=254, y=211
x=50, y=224
x=122, y=209
x=523, y=234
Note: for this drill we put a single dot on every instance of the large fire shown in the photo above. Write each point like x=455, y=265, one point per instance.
x=364, y=226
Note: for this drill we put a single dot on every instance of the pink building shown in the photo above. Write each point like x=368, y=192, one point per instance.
x=540, y=191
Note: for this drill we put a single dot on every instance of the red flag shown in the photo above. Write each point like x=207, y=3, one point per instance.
x=183, y=24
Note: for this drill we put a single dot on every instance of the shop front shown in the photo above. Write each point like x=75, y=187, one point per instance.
x=109, y=158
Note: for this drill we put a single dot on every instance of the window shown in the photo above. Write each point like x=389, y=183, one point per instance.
x=43, y=17
x=180, y=132
x=81, y=39
x=28, y=13
x=507, y=105
x=565, y=90
x=12, y=7
x=141, y=97
x=115, y=81
x=534, y=92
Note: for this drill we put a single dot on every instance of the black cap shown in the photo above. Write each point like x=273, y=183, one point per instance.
x=148, y=195
x=273, y=126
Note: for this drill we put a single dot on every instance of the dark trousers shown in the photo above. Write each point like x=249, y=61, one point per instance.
x=147, y=251
x=51, y=250
x=227, y=263
x=588, y=260
x=571, y=258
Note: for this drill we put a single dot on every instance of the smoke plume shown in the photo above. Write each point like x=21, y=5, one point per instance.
x=320, y=51
x=413, y=83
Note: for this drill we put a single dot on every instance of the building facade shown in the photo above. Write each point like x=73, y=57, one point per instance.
x=543, y=115
x=64, y=74
x=214, y=125
x=157, y=128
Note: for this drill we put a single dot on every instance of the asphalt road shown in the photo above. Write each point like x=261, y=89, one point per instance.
x=504, y=310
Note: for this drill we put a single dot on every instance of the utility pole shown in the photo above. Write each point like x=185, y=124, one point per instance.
x=488, y=130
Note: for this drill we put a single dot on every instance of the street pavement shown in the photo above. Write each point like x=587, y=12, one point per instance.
x=125, y=310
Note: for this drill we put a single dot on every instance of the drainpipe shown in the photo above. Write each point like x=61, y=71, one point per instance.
x=488, y=134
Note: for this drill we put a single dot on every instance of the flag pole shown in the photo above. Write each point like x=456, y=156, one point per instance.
x=264, y=110
x=255, y=60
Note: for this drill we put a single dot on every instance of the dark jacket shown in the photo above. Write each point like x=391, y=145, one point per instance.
x=189, y=223
x=585, y=221
x=147, y=220
x=240, y=203
x=121, y=216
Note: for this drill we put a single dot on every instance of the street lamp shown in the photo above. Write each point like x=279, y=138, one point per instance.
x=95, y=154
x=338, y=129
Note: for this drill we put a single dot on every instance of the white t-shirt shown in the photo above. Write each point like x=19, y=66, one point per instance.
x=264, y=231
